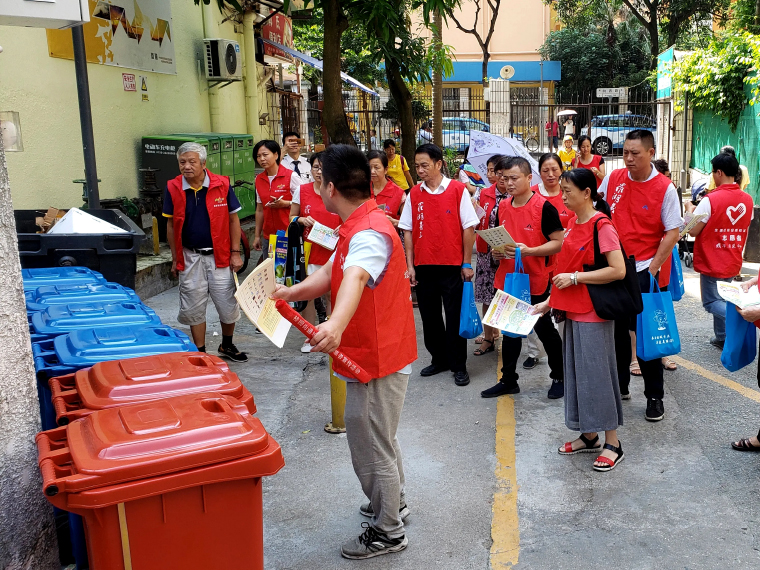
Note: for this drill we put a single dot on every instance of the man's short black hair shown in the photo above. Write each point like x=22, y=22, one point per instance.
x=430, y=149
x=271, y=145
x=494, y=160
x=389, y=142
x=509, y=162
x=726, y=163
x=290, y=134
x=646, y=137
x=661, y=165
x=348, y=169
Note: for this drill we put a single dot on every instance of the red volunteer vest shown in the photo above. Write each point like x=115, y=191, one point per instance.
x=312, y=205
x=596, y=160
x=380, y=337
x=636, y=212
x=577, y=249
x=565, y=213
x=390, y=197
x=218, y=213
x=719, y=246
x=436, y=226
x=524, y=225
x=274, y=219
x=487, y=201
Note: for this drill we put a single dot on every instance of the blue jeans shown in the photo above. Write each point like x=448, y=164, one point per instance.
x=714, y=303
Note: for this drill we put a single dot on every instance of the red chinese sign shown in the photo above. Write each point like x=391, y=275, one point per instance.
x=278, y=29
x=129, y=81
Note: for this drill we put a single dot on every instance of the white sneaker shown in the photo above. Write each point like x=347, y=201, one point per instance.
x=306, y=347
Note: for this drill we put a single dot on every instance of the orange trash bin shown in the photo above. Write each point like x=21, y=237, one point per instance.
x=134, y=380
x=164, y=485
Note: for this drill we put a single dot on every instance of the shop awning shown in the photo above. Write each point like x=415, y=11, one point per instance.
x=317, y=64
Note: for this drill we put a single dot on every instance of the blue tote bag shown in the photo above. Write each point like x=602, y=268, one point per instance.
x=676, y=287
x=656, y=329
x=517, y=284
x=470, y=324
x=740, y=347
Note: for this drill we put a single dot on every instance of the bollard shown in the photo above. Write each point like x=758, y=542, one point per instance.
x=338, y=403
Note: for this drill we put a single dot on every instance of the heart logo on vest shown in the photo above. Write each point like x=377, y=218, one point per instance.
x=735, y=213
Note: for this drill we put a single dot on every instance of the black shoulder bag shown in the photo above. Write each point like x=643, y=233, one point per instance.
x=295, y=268
x=618, y=299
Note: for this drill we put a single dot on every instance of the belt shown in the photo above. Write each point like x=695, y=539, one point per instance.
x=202, y=250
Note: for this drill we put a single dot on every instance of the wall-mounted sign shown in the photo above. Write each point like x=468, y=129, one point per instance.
x=610, y=92
x=664, y=82
x=278, y=29
x=128, y=79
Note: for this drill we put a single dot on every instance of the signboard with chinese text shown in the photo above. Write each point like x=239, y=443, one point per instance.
x=278, y=29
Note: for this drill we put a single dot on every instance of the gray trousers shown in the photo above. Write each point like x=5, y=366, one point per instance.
x=372, y=415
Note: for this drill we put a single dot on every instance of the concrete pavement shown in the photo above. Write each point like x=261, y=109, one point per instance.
x=487, y=488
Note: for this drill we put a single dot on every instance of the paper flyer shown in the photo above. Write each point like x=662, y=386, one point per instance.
x=733, y=293
x=510, y=314
x=324, y=236
x=253, y=298
x=690, y=220
x=496, y=237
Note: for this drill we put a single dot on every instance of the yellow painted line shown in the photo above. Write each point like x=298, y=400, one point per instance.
x=505, y=529
x=717, y=378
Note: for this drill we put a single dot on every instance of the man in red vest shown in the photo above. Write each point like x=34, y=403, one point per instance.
x=204, y=235
x=647, y=215
x=373, y=324
x=439, y=223
x=721, y=237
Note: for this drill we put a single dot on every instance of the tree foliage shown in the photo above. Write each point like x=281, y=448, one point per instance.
x=420, y=111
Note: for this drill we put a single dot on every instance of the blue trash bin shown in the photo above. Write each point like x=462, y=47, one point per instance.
x=43, y=297
x=44, y=276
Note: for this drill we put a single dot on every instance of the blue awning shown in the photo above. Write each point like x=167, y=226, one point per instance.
x=317, y=64
x=472, y=71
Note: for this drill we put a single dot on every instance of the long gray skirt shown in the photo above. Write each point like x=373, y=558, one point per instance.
x=592, y=391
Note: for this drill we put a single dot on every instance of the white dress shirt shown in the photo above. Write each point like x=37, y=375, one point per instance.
x=304, y=168
x=467, y=213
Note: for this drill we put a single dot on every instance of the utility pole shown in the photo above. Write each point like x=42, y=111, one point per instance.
x=438, y=83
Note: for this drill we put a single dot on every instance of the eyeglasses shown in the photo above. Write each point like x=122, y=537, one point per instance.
x=316, y=168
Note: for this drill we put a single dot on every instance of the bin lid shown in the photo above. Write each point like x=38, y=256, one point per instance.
x=60, y=319
x=86, y=347
x=121, y=382
x=48, y=295
x=42, y=276
x=163, y=436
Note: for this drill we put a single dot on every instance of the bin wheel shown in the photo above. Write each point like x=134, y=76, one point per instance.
x=245, y=250
x=688, y=259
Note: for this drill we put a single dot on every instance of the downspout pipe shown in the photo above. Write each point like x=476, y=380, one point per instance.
x=211, y=30
x=251, y=76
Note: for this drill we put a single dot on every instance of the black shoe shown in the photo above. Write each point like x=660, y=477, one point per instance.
x=232, y=353
x=717, y=343
x=322, y=317
x=655, y=410
x=557, y=390
x=500, y=389
x=530, y=363
x=461, y=378
x=432, y=370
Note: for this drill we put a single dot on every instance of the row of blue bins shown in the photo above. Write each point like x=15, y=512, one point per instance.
x=76, y=319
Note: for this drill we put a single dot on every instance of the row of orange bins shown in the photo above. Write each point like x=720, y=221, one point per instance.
x=163, y=459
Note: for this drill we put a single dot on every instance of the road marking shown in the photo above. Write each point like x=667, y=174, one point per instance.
x=723, y=381
x=505, y=529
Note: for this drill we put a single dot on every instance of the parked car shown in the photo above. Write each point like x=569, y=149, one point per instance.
x=609, y=131
x=456, y=131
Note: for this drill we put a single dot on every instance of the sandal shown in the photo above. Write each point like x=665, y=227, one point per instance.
x=634, y=368
x=744, y=445
x=668, y=364
x=590, y=445
x=481, y=352
x=480, y=339
x=609, y=463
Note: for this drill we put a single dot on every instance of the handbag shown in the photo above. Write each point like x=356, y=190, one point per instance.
x=740, y=347
x=656, y=328
x=517, y=284
x=295, y=266
x=676, y=286
x=618, y=299
x=470, y=324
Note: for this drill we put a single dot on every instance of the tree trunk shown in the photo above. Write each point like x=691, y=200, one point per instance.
x=403, y=97
x=654, y=41
x=334, y=114
x=757, y=15
x=484, y=72
x=438, y=83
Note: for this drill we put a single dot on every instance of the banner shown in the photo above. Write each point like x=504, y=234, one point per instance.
x=278, y=29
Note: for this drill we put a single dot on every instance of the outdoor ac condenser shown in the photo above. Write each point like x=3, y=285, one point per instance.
x=223, y=60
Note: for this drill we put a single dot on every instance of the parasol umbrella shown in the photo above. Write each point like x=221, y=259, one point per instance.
x=484, y=145
x=567, y=112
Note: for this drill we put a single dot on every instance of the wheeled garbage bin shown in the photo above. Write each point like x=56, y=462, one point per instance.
x=42, y=276
x=42, y=297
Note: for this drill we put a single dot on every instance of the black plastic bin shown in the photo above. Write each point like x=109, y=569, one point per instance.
x=114, y=255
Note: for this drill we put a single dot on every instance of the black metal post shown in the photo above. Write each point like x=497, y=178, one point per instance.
x=85, y=118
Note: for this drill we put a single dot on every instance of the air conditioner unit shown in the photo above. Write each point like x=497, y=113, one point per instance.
x=223, y=60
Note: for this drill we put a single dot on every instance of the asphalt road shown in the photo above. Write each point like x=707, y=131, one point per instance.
x=486, y=486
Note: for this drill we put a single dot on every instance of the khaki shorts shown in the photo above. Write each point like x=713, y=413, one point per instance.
x=201, y=280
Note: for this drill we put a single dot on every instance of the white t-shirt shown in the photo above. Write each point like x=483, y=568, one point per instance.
x=670, y=214
x=371, y=251
x=466, y=210
x=295, y=187
x=304, y=168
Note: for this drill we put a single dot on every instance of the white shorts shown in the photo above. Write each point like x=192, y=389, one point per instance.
x=201, y=280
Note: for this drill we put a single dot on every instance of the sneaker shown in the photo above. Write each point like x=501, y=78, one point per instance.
x=367, y=510
x=625, y=395
x=372, y=543
x=305, y=347
x=500, y=389
x=557, y=390
x=530, y=363
x=717, y=343
x=655, y=410
x=232, y=353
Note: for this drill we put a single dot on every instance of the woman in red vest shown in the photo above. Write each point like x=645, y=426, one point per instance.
x=274, y=191
x=592, y=162
x=387, y=193
x=485, y=270
x=550, y=169
x=307, y=207
x=592, y=390
x=535, y=226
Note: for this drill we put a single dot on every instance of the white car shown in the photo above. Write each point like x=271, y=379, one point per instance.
x=608, y=132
